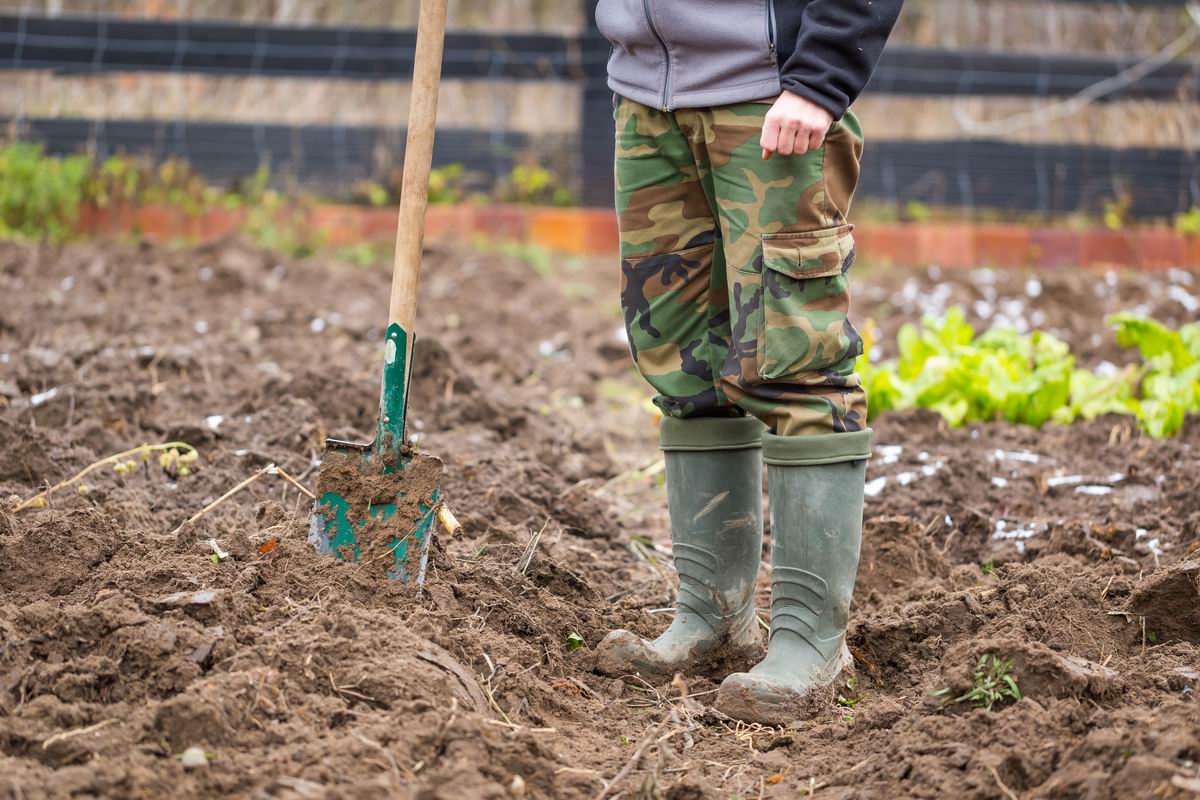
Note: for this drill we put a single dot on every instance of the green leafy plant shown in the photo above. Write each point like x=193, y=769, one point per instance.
x=534, y=185
x=573, y=641
x=916, y=211
x=1031, y=378
x=994, y=684
x=447, y=183
x=1188, y=222
x=850, y=697
x=40, y=196
x=1116, y=211
x=177, y=460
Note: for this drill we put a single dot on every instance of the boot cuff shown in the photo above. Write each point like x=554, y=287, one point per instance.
x=828, y=448
x=710, y=433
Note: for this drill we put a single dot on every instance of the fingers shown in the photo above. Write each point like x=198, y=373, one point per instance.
x=790, y=137
x=817, y=138
x=769, y=141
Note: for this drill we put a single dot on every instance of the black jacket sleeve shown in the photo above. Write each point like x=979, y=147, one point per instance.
x=838, y=45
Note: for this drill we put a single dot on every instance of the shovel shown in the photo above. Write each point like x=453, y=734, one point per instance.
x=376, y=502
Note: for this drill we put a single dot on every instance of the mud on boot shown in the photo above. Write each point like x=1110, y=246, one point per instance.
x=714, y=495
x=816, y=524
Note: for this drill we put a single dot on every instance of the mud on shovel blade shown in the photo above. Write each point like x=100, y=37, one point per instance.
x=376, y=502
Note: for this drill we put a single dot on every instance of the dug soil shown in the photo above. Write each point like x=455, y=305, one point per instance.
x=127, y=638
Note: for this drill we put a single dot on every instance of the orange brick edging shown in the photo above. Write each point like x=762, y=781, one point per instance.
x=593, y=232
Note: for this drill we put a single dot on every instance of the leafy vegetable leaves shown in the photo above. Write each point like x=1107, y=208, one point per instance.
x=1031, y=379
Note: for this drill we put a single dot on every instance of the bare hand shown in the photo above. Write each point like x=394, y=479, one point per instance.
x=794, y=126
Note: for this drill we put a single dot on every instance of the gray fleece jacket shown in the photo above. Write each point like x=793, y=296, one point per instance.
x=699, y=53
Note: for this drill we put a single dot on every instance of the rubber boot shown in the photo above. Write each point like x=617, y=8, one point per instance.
x=816, y=528
x=714, y=495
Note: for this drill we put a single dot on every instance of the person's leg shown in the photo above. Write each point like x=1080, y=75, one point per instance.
x=789, y=248
x=674, y=301
x=714, y=495
x=674, y=298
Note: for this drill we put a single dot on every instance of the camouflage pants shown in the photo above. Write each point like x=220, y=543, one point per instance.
x=734, y=269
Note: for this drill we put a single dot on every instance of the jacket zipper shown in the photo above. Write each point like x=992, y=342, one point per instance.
x=774, y=56
x=666, y=55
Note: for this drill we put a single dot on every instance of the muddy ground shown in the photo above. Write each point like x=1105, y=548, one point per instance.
x=1065, y=550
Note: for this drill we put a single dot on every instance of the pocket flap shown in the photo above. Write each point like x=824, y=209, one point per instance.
x=814, y=254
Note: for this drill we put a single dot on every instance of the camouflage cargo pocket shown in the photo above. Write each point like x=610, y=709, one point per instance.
x=805, y=302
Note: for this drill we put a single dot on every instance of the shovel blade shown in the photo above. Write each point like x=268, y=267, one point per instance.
x=379, y=518
x=376, y=502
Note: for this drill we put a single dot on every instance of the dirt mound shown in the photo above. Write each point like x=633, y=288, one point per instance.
x=126, y=639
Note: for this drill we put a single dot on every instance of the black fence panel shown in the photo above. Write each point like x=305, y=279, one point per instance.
x=968, y=173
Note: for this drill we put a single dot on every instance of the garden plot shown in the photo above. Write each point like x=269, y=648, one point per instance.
x=138, y=658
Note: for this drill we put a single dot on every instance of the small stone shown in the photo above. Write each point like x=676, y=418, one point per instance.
x=194, y=758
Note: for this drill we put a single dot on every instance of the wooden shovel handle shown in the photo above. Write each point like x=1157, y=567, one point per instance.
x=418, y=156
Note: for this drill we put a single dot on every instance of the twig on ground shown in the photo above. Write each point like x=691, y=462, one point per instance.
x=280, y=472
x=71, y=734
x=996, y=777
x=42, y=497
x=348, y=690
x=514, y=726
x=192, y=519
x=387, y=753
x=388, y=551
x=527, y=557
x=650, y=736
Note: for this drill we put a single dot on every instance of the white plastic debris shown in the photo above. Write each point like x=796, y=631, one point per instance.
x=999, y=482
x=43, y=397
x=874, y=487
x=317, y=325
x=1184, y=298
x=194, y=758
x=1064, y=480
x=889, y=453
x=214, y=421
x=1016, y=535
x=1016, y=455
x=1094, y=489
x=1180, y=276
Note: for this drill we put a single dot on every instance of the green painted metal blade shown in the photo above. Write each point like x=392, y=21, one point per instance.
x=333, y=529
x=393, y=393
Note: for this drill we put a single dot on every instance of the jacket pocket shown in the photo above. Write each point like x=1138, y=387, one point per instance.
x=804, y=303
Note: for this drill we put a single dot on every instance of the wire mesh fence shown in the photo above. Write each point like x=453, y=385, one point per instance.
x=1013, y=106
